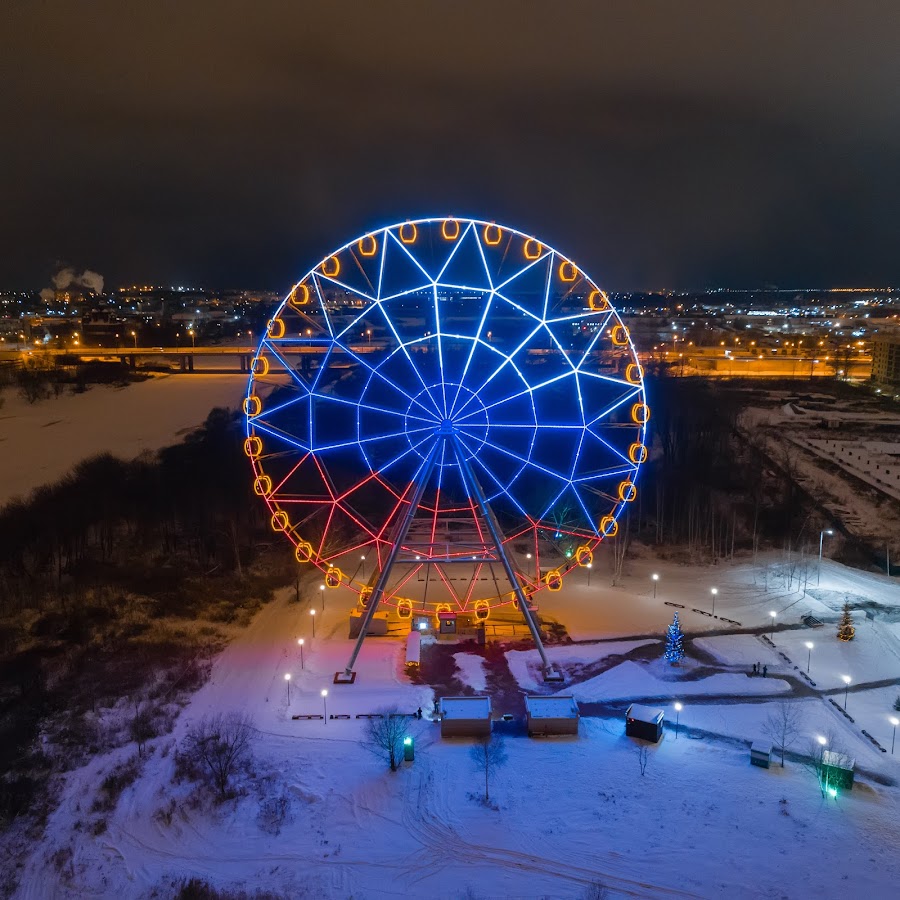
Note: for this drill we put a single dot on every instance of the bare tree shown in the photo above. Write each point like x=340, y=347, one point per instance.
x=219, y=744
x=141, y=728
x=489, y=754
x=643, y=757
x=783, y=725
x=384, y=735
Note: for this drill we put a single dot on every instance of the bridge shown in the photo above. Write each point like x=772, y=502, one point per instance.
x=704, y=362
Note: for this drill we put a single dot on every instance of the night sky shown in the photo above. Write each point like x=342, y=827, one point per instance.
x=226, y=144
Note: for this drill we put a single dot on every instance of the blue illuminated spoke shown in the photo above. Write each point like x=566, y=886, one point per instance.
x=507, y=360
x=412, y=365
x=521, y=393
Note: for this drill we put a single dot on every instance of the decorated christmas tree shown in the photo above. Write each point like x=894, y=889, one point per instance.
x=846, y=631
x=674, y=642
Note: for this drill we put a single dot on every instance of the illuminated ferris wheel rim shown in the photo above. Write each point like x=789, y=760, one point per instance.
x=453, y=229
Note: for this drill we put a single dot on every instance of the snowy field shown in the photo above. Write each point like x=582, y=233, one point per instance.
x=40, y=442
x=566, y=812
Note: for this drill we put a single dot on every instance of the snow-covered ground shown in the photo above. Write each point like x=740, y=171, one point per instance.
x=567, y=812
x=40, y=442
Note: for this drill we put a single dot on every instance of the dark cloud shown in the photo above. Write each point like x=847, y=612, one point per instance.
x=658, y=143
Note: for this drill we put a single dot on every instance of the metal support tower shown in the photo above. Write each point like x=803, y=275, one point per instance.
x=446, y=434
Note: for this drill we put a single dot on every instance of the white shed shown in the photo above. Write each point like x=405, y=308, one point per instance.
x=558, y=714
x=465, y=716
x=761, y=753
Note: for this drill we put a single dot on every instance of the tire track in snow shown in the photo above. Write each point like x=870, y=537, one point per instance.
x=421, y=820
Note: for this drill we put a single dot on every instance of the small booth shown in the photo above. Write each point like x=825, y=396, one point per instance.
x=552, y=715
x=447, y=622
x=837, y=770
x=644, y=722
x=761, y=754
x=465, y=716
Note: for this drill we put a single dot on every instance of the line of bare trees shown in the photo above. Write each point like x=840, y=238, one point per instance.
x=711, y=487
x=191, y=502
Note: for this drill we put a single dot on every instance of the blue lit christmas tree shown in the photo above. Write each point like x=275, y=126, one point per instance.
x=674, y=642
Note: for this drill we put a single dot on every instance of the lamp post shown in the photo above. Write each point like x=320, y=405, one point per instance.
x=287, y=678
x=363, y=561
x=322, y=592
x=312, y=612
x=895, y=722
x=809, y=648
x=678, y=708
x=847, y=680
x=193, y=339
x=823, y=742
x=134, y=335
x=822, y=534
x=300, y=645
x=714, y=592
x=588, y=567
x=655, y=578
x=325, y=704
x=772, y=631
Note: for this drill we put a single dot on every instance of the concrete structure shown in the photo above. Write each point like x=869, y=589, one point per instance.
x=644, y=722
x=552, y=715
x=378, y=625
x=465, y=716
x=761, y=754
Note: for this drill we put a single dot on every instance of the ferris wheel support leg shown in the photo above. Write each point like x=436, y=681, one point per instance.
x=348, y=676
x=551, y=672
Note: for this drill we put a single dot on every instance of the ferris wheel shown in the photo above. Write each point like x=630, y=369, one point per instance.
x=446, y=396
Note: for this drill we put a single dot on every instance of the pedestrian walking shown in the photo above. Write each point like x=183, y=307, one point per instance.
x=755, y=669
x=765, y=671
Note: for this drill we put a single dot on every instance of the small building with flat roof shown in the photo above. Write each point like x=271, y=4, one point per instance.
x=552, y=715
x=465, y=716
x=761, y=753
x=837, y=769
x=644, y=722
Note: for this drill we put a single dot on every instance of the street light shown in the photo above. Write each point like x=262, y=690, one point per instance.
x=847, y=681
x=823, y=742
x=193, y=341
x=134, y=335
x=300, y=645
x=822, y=534
x=655, y=578
x=809, y=647
x=325, y=703
x=322, y=592
x=895, y=722
x=678, y=709
x=714, y=591
x=363, y=561
x=772, y=632
x=287, y=678
x=589, y=566
x=312, y=612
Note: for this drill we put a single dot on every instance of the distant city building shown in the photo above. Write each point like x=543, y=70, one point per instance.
x=886, y=360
